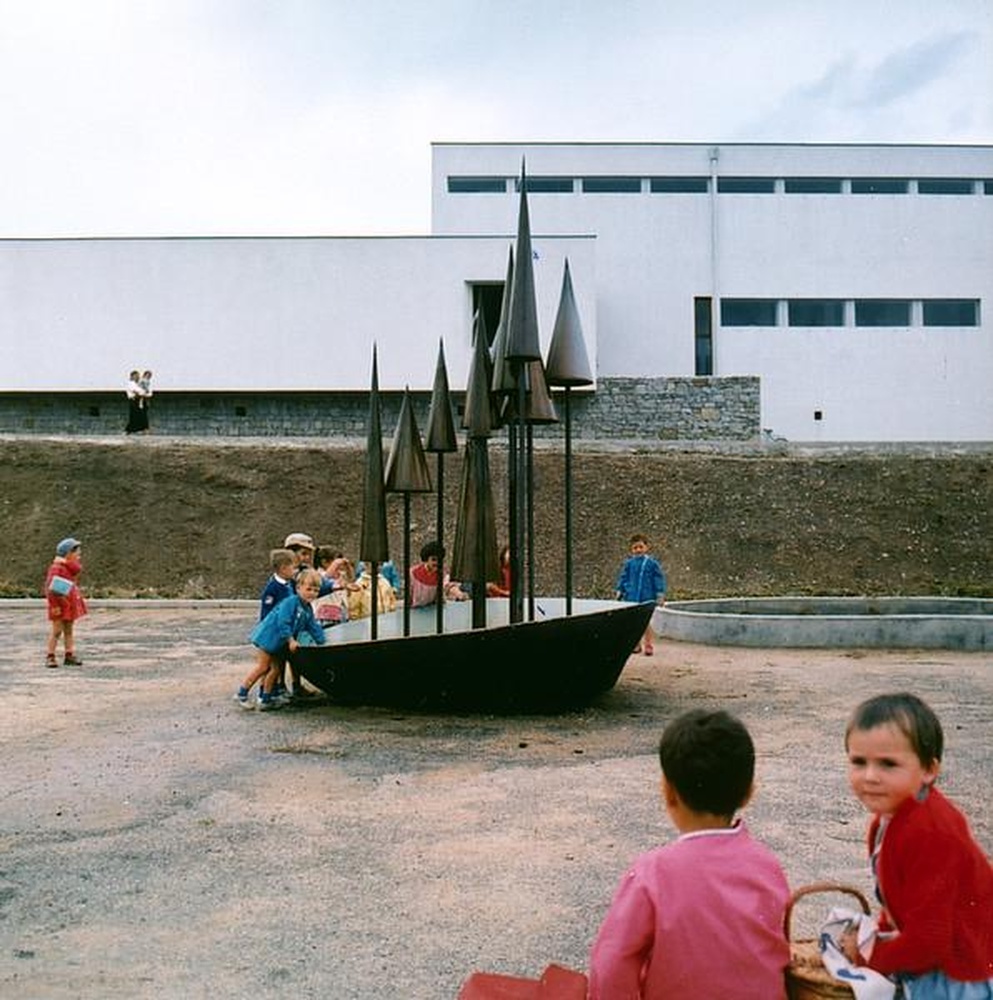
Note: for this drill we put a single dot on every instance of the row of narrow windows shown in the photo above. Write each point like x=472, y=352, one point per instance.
x=849, y=312
x=725, y=185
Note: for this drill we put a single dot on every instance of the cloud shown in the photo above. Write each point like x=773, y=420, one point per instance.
x=912, y=68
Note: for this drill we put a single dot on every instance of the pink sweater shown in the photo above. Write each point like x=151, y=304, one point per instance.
x=701, y=917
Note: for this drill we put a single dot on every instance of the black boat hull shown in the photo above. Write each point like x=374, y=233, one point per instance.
x=553, y=663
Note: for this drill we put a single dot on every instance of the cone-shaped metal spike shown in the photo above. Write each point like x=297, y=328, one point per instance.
x=478, y=417
x=441, y=423
x=522, y=323
x=539, y=408
x=407, y=468
x=538, y=405
x=374, y=543
x=474, y=555
x=568, y=362
x=503, y=379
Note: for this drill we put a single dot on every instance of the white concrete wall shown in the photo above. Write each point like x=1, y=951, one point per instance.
x=256, y=314
x=656, y=252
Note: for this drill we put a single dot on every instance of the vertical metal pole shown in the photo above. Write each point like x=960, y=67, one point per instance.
x=440, y=534
x=568, y=505
x=374, y=596
x=517, y=549
x=406, y=562
x=530, y=520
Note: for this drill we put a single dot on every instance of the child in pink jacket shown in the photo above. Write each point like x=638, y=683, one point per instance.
x=701, y=916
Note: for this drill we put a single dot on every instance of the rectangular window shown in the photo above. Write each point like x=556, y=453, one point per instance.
x=951, y=312
x=879, y=185
x=679, y=185
x=813, y=185
x=487, y=299
x=748, y=312
x=746, y=185
x=703, y=335
x=611, y=185
x=816, y=312
x=882, y=312
x=944, y=185
x=546, y=185
x=987, y=187
x=477, y=185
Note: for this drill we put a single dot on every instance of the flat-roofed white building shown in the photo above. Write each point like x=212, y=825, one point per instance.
x=854, y=281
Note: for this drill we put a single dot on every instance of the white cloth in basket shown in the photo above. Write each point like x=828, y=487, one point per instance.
x=866, y=984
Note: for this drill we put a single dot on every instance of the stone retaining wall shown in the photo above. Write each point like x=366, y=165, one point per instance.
x=668, y=409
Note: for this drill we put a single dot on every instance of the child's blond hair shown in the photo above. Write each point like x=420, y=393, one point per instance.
x=308, y=575
x=279, y=558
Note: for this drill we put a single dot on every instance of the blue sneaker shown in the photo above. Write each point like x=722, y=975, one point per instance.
x=242, y=698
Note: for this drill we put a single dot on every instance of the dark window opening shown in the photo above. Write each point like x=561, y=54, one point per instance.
x=746, y=185
x=488, y=298
x=987, y=187
x=611, y=185
x=816, y=312
x=879, y=185
x=241, y=411
x=944, y=185
x=546, y=185
x=812, y=185
x=476, y=185
x=679, y=185
x=818, y=414
x=951, y=312
x=882, y=312
x=748, y=312
x=703, y=330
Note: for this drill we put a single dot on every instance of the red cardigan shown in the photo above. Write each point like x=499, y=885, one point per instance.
x=937, y=887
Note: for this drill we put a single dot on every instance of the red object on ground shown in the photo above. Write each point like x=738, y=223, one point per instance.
x=556, y=983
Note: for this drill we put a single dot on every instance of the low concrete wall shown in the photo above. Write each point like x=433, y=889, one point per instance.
x=841, y=622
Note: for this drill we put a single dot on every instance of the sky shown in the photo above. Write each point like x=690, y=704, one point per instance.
x=316, y=117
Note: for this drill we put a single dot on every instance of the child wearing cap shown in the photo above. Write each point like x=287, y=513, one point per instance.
x=65, y=600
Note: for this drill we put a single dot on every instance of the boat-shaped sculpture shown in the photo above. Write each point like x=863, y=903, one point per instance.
x=484, y=654
x=554, y=663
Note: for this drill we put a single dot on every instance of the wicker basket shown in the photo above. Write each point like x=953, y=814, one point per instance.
x=806, y=977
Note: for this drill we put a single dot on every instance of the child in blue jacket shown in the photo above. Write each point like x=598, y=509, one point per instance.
x=642, y=579
x=278, y=634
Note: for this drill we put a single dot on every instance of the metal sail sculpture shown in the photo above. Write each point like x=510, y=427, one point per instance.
x=475, y=552
x=568, y=365
x=374, y=547
x=440, y=439
x=522, y=346
x=406, y=473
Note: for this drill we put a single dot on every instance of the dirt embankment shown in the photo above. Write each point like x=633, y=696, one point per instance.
x=168, y=518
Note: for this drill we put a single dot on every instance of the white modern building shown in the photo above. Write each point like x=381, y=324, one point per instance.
x=853, y=282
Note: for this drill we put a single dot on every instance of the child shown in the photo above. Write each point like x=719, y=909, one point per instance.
x=501, y=588
x=642, y=579
x=278, y=587
x=424, y=579
x=65, y=600
x=702, y=916
x=277, y=634
x=935, y=884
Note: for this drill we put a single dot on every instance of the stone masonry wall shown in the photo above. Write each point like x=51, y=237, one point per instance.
x=666, y=409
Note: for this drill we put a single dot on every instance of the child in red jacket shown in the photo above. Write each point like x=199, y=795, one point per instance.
x=65, y=600
x=935, y=883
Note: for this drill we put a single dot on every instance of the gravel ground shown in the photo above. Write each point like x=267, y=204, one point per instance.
x=157, y=841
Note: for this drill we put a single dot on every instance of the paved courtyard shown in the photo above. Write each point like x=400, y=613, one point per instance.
x=157, y=841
